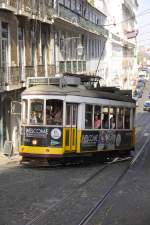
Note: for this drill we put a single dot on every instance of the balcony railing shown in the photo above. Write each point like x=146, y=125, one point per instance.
x=12, y=3
x=131, y=6
x=9, y=5
x=51, y=70
x=72, y=66
x=75, y=18
x=40, y=9
x=2, y=76
x=10, y=76
x=15, y=75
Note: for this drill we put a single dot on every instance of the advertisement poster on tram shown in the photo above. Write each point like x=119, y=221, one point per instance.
x=44, y=136
x=105, y=140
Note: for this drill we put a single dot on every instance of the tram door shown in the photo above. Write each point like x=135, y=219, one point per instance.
x=71, y=127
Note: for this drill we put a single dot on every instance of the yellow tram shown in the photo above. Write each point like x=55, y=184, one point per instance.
x=67, y=117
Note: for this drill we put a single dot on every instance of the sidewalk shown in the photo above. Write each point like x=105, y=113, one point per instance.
x=4, y=160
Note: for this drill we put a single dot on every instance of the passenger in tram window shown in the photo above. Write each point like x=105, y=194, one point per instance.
x=39, y=118
x=112, y=123
x=97, y=122
x=105, y=121
x=34, y=119
x=57, y=115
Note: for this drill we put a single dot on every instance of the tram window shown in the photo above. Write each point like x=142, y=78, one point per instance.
x=120, y=114
x=105, y=121
x=68, y=114
x=97, y=117
x=25, y=111
x=88, y=116
x=112, y=116
x=127, y=119
x=54, y=112
x=74, y=114
x=36, y=111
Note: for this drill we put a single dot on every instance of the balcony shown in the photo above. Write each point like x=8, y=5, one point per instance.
x=36, y=9
x=51, y=70
x=14, y=77
x=10, y=78
x=40, y=71
x=80, y=21
x=10, y=5
x=131, y=6
x=72, y=66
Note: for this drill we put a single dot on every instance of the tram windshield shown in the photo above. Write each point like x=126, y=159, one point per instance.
x=37, y=111
x=52, y=114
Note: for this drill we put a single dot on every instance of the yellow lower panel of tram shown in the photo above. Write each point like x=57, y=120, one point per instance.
x=41, y=150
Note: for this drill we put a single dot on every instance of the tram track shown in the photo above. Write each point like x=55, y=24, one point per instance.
x=86, y=219
x=144, y=130
x=37, y=220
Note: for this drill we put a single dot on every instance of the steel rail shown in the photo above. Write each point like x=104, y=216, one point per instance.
x=99, y=204
x=99, y=171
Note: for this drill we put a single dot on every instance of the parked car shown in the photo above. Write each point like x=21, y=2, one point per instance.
x=138, y=93
x=146, y=106
x=149, y=95
x=140, y=84
x=144, y=73
x=141, y=80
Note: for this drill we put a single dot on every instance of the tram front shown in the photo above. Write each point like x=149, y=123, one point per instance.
x=42, y=132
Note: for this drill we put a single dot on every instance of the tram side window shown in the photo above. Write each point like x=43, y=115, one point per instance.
x=97, y=117
x=54, y=112
x=127, y=118
x=88, y=116
x=120, y=114
x=36, y=111
x=25, y=111
x=105, y=121
x=112, y=118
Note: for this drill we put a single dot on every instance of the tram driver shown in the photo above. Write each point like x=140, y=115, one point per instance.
x=54, y=112
x=34, y=118
x=57, y=116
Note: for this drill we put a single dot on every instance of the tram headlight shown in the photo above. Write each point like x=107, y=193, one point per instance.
x=34, y=142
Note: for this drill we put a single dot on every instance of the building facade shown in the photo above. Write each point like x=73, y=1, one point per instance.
x=42, y=38
x=121, y=46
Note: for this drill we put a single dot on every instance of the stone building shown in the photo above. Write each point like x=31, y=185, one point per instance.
x=121, y=45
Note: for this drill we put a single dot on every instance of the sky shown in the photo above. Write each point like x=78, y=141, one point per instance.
x=143, y=18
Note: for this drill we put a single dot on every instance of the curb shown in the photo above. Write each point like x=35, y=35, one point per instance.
x=4, y=160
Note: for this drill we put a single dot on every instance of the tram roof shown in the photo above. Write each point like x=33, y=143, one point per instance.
x=76, y=91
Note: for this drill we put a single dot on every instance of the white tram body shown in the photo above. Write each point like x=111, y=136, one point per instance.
x=60, y=121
